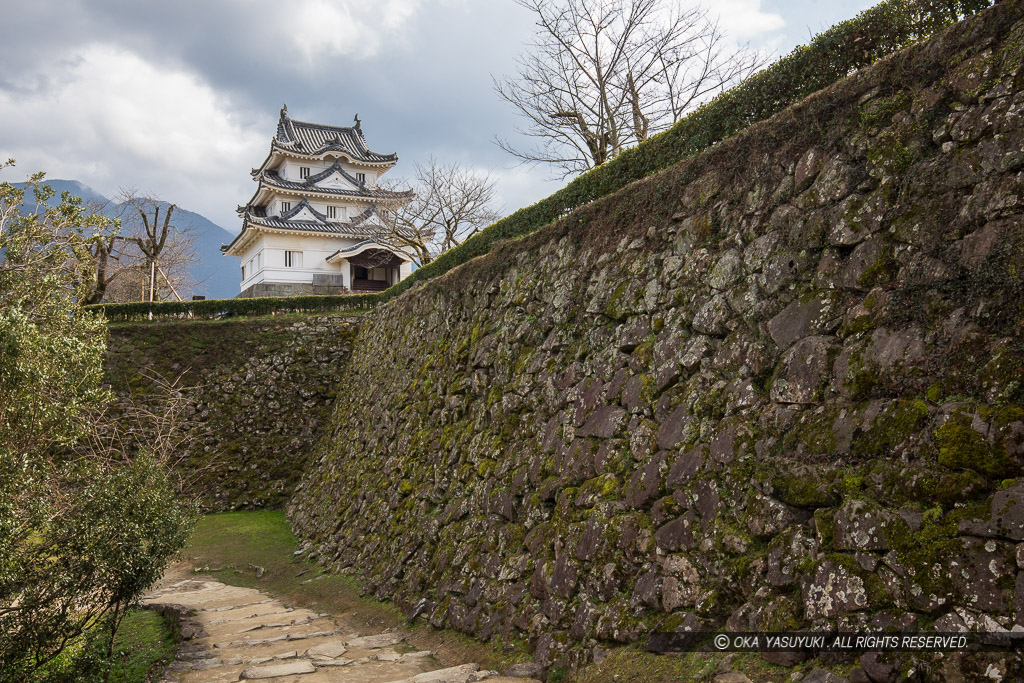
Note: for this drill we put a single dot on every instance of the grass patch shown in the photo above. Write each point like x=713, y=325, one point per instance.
x=635, y=665
x=230, y=546
x=143, y=646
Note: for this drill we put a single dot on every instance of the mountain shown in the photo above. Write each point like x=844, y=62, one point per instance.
x=217, y=275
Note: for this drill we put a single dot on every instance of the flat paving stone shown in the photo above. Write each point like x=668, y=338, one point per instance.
x=277, y=670
x=331, y=650
x=377, y=641
x=243, y=634
x=454, y=674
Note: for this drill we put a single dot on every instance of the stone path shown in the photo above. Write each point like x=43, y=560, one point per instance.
x=232, y=634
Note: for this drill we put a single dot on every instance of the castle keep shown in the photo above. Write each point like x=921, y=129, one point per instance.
x=319, y=221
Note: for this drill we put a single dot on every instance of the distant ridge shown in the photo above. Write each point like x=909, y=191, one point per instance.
x=217, y=275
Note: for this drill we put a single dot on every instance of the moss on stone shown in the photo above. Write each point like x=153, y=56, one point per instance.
x=891, y=156
x=879, y=111
x=814, y=434
x=604, y=487
x=961, y=447
x=644, y=352
x=825, y=527
x=883, y=270
x=862, y=376
x=615, y=307
x=1006, y=415
x=910, y=484
x=783, y=614
x=803, y=490
x=895, y=424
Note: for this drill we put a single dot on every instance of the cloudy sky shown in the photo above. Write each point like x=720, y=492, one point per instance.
x=179, y=100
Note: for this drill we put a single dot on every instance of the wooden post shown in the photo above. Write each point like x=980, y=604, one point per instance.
x=152, y=284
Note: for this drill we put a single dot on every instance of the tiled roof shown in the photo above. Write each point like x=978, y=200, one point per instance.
x=356, y=248
x=256, y=215
x=272, y=179
x=315, y=139
x=259, y=211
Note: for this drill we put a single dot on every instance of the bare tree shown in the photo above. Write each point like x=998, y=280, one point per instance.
x=105, y=246
x=163, y=254
x=103, y=249
x=603, y=75
x=451, y=204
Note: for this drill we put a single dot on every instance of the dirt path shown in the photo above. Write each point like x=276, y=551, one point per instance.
x=234, y=633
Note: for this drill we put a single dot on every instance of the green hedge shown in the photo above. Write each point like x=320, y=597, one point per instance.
x=222, y=308
x=830, y=57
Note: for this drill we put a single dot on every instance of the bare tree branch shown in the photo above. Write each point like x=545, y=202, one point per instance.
x=603, y=75
x=159, y=262
x=451, y=204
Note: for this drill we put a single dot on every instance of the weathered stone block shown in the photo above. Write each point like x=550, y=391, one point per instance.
x=832, y=591
x=814, y=315
x=1006, y=519
x=860, y=525
x=804, y=370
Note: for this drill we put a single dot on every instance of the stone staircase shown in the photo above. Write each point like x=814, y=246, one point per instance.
x=231, y=633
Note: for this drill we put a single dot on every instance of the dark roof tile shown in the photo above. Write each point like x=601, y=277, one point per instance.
x=315, y=139
x=273, y=179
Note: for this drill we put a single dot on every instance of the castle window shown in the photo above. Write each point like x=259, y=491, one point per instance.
x=361, y=177
x=293, y=259
x=286, y=207
x=303, y=171
x=332, y=212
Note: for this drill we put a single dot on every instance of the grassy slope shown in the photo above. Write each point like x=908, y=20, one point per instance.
x=144, y=645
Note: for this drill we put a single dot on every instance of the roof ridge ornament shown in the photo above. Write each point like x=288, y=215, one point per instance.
x=359, y=124
x=284, y=111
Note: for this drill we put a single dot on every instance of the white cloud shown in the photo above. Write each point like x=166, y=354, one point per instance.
x=113, y=119
x=521, y=186
x=743, y=19
x=320, y=29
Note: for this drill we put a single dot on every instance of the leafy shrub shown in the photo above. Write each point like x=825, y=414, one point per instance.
x=221, y=308
x=85, y=525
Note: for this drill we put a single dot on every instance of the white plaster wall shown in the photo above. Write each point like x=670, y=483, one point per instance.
x=268, y=250
x=289, y=169
x=347, y=208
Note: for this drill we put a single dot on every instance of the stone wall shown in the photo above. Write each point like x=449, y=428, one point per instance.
x=288, y=289
x=778, y=386
x=258, y=392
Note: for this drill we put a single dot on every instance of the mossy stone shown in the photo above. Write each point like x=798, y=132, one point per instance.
x=961, y=447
